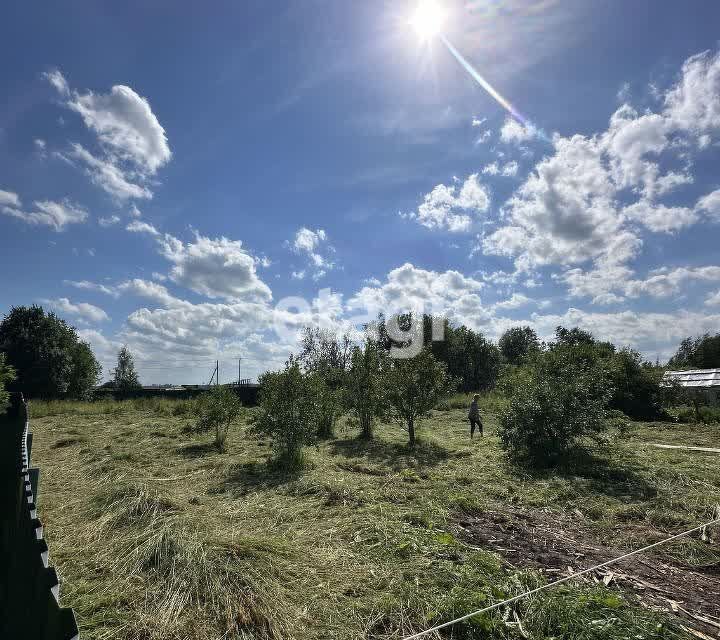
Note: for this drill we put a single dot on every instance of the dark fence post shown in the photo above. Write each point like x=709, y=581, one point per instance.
x=29, y=588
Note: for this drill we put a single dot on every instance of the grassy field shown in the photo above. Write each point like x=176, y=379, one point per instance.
x=157, y=535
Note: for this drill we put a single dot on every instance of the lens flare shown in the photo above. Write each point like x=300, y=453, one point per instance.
x=428, y=19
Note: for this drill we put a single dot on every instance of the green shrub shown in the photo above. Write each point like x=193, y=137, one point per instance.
x=7, y=374
x=288, y=412
x=217, y=409
x=560, y=405
x=365, y=392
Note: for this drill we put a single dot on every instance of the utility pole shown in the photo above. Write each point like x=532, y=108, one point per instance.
x=217, y=369
x=239, y=361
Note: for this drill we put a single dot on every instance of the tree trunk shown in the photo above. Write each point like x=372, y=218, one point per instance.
x=366, y=426
x=411, y=431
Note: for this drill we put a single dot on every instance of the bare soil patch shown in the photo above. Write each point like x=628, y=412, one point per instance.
x=559, y=545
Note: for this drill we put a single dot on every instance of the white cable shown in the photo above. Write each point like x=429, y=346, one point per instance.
x=561, y=580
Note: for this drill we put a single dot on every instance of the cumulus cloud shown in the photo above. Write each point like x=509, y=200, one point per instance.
x=710, y=205
x=142, y=227
x=108, y=221
x=312, y=245
x=410, y=288
x=57, y=215
x=91, y=286
x=713, y=299
x=81, y=310
x=515, y=132
x=660, y=218
x=9, y=199
x=452, y=209
x=216, y=268
x=133, y=142
x=693, y=104
x=106, y=175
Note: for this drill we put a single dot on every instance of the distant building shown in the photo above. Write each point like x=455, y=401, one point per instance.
x=704, y=382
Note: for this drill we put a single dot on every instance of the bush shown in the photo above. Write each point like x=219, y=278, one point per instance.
x=415, y=386
x=7, y=374
x=288, y=412
x=636, y=386
x=365, y=392
x=217, y=409
x=560, y=405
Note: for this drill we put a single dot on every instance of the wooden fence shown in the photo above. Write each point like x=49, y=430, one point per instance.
x=29, y=587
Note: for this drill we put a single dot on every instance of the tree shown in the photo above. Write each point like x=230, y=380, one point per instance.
x=559, y=404
x=468, y=355
x=7, y=374
x=217, y=409
x=637, y=391
x=124, y=375
x=49, y=358
x=288, y=412
x=517, y=343
x=701, y=352
x=365, y=393
x=86, y=372
x=414, y=386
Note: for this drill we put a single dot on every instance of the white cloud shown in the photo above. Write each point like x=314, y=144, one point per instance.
x=665, y=282
x=91, y=286
x=142, y=227
x=57, y=80
x=515, y=301
x=39, y=144
x=693, y=104
x=134, y=143
x=82, y=310
x=9, y=199
x=313, y=244
x=659, y=218
x=710, y=205
x=410, y=288
x=713, y=299
x=108, y=221
x=515, y=132
x=48, y=213
x=134, y=212
x=106, y=175
x=150, y=290
x=565, y=211
x=446, y=208
x=216, y=268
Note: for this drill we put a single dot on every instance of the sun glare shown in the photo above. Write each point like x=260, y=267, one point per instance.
x=427, y=19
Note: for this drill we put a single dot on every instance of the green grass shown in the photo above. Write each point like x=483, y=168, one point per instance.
x=156, y=534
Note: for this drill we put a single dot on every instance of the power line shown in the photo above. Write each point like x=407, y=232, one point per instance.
x=562, y=580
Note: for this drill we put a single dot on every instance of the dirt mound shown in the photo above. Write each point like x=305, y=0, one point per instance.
x=560, y=545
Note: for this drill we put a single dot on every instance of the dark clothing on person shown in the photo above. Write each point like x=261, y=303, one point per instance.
x=474, y=418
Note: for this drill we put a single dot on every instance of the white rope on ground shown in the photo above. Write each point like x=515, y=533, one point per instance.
x=561, y=580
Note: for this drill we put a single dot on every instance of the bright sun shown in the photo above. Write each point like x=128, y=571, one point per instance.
x=427, y=19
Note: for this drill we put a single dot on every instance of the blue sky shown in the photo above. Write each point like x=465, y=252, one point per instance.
x=198, y=181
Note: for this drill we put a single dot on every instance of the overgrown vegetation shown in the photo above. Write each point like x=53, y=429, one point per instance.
x=156, y=535
x=289, y=412
x=7, y=374
x=216, y=411
x=701, y=352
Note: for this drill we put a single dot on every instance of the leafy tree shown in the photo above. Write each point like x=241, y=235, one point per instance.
x=86, y=372
x=560, y=404
x=517, y=343
x=47, y=354
x=326, y=356
x=468, y=355
x=701, y=352
x=124, y=375
x=217, y=409
x=573, y=337
x=637, y=391
x=365, y=393
x=288, y=412
x=414, y=386
x=7, y=374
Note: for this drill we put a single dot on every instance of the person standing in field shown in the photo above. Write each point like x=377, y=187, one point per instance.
x=474, y=417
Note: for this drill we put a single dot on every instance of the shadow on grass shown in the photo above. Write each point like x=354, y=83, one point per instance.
x=426, y=453
x=198, y=450
x=250, y=476
x=603, y=475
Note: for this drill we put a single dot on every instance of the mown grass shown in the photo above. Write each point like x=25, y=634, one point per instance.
x=158, y=535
